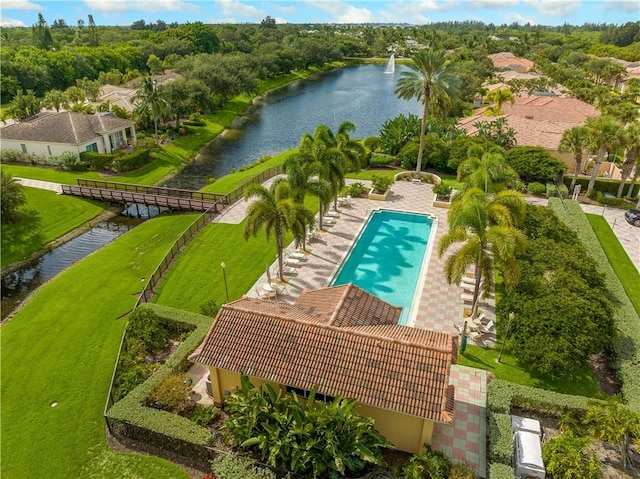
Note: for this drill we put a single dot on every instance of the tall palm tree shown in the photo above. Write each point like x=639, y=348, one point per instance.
x=573, y=141
x=431, y=81
x=55, y=99
x=604, y=135
x=148, y=100
x=485, y=229
x=275, y=211
x=632, y=148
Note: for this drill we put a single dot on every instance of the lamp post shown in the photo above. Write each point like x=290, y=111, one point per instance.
x=506, y=335
x=224, y=276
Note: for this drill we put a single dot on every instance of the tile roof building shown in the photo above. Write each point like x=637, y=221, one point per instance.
x=53, y=133
x=344, y=341
x=508, y=61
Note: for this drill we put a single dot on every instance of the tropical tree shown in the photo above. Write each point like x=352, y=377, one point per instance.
x=499, y=96
x=573, y=141
x=567, y=457
x=24, y=105
x=498, y=131
x=55, y=99
x=486, y=230
x=75, y=94
x=630, y=155
x=604, y=135
x=275, y=211
x=487, y=170
x=148, y=100
x=11, y=198
x=431, y=82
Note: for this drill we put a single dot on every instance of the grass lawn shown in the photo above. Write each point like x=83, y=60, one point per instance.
x=620, y=262
x=581, y=384
x=61, y=348
x=367, y=174
x=45, y=217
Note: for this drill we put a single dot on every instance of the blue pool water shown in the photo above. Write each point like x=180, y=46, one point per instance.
x=387, y=257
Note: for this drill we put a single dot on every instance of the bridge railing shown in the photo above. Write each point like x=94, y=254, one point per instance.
x=151, y=190
x=259, y=178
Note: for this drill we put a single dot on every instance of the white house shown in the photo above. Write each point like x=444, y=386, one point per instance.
x=51, y=134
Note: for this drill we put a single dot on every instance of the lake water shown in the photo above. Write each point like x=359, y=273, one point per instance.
x=363, y=95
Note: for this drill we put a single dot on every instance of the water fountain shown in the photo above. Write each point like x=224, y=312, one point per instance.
x=391, y=66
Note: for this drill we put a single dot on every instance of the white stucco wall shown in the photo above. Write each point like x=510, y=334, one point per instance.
x=42, y=148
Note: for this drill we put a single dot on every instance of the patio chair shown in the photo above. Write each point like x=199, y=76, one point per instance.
x=348, y=198
x=292, y=262
x=300, y=256
x=261, y=294
x=342, y=200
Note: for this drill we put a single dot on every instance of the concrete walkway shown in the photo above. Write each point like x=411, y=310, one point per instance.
x=43, y=185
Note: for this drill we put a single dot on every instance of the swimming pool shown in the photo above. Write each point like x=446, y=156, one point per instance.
x=387, y=257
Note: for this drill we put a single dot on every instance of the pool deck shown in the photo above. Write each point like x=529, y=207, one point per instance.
x=439, y=306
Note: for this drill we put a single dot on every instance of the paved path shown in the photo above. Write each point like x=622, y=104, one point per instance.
x=43, y=185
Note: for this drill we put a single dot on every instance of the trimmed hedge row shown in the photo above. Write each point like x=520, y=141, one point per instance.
x=627, y=344
x=106, y=161
x=501, y=471
x=130, y=417
x=607, y=200
x=552, y=191
x=132, y=161
x=603, y=185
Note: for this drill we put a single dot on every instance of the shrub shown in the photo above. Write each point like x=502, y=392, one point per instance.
x=608, y=200
x=131, y=161
x=235, y=467
x=67, y=160
x=381, y=160
x=501, y=471
x=428, y=464
x=552, y=191
x=79, y=166
x=566, y=456
x=408, y=156
x=193, y=123
x=209, y=308
x=604, y=185
x=97, y=161
x=356, y=189
x=534, y=163
x=172, y=393
x=144, y=325
x=381, y=183
x=500, y=438
x=536, y=188
x=147, y=143
x=443, y=190
x=203, y=415
x=11, y=197
x=372, y=143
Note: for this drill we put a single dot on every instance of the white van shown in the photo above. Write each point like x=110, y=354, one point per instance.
x=527, y=456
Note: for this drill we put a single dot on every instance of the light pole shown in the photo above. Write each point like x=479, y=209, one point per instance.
x=224, y=276
x=506, y=335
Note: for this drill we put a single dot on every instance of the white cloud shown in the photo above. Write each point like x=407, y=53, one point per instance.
x=113, y=6
x=283, y=9
x=626, y=5
x=11, y=22
x=343, y=12
x=554, y=8
x=489, y=3
x=233, y=7
x=520, y=19
x=21, y=5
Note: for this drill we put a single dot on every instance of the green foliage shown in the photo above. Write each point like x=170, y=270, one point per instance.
x=536, y=188
x=627, y=343
x=608, y=200
x=132, y=161
x=11, y=198
x=399, y=131
x=566, y=457
x=459, y=149
x=381, y=160
x=442, y=190
x=300, y=436
x=372, y=143
x=209, y=308
x=428, y=464
x=203, y=415
x=172, y=393
x=552, y=191
x=534, y=163
x=145, y=325
x=498, y=132
x=408, y=155
x=501, y=471
x=381, y=183
x=97, y=161
x=236, y=467
x=67, y=160
x=356, y=189
x=501, y=444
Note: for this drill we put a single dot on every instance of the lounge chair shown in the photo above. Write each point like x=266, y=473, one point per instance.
x=300, y=256
x=292, y=262
x=261, y=294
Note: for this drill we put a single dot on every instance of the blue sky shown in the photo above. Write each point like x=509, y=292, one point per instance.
x=124, y=12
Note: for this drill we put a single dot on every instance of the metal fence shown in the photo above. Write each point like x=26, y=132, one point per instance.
x=151, y=190
x=259, y=178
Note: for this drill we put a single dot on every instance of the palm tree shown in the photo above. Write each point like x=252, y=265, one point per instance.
x=486, y=230
x=147, y=100
x=632, y=135
x=431, y=81
x=56, y=99
x=274, y=210
x=573, y=141
x=604, y=134
x=499, y=96
x=487, y=170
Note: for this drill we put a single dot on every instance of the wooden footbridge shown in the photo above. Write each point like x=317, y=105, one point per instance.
x=127, y=193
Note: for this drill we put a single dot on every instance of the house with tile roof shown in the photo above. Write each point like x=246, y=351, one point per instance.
x=508, y=61
x=53, y=133
x=344, y=341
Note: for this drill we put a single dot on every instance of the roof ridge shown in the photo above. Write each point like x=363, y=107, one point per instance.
x=402, y=341
x=340, y=304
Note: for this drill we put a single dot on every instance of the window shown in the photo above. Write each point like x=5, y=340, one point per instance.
x=303, y=393
x=24, y=147
x=92, y=147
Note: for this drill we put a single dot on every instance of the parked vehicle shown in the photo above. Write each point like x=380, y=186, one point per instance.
x=632, y=217
x=527, y=453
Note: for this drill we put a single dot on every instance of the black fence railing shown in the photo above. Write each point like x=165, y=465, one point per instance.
x=151, y=190
x=238, y=193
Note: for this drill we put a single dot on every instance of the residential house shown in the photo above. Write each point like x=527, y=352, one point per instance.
x=51, y=133
x=344, y=341
x=508, y=61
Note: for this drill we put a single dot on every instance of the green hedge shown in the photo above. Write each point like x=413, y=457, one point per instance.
x=500, y=438
x=607, y=200
x=130, y=416
x=501, y=471
x=97, y=161
x=132, y=161
x=194, y=123
x=603, y=185
x=552, y=191
x=378, y=160
x=627, y=344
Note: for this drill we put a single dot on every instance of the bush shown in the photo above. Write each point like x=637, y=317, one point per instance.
x=604, y=185
x=203, y=415
x=534, y=163
x=536, y=188
x=381, y=183
x=79, y=166
x=608, y=200
x=97, y=161
x=235, y=467
x=442, y=190
x=500, y=438
x=501, y=471
x=408, y=156
x=194, y=123
x=172, y=393
x=372, y=143
x=381, y=160
x=144, y=325
x=356, y=189
x=131, y=161
x=552, y=191
x=209, y=308
x=567, y=456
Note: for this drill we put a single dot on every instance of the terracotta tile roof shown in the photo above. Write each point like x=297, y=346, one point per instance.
x=537, y=120
x=508, y=61
x=64, y=127
x=388, y=366
x=348, y=305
